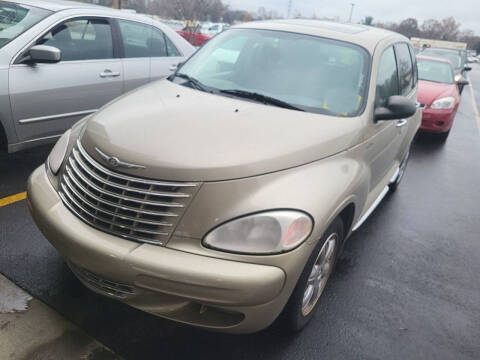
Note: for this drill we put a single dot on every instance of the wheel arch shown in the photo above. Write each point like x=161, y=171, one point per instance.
x=3, y=139
x=347, y=215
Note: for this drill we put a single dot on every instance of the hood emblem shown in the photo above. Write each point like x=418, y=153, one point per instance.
x=116, y=162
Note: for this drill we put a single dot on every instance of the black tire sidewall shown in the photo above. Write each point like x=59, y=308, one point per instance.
x=292, y=316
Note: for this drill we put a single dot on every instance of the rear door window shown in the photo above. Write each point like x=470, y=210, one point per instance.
x=171, y=48
x=137, y=39
x=157, y=44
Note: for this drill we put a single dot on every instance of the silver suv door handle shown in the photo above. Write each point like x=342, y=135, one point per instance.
x=402, y=122
x=109, y=73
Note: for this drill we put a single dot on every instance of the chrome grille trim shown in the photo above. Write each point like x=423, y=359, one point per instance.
x=99, y=283
x=125, y=197
x=155, y=213
x=121, y=187
x=132, y=208
x=72, y=199
x=126, y=177
x=138, y=238
x=79, y=198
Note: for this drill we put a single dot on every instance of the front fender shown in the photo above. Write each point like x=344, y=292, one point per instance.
x=322, y=189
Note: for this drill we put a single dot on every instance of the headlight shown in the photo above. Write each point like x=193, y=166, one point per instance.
x=263, y=233
x=458, y=77
x=56, y=157
x=444, y=103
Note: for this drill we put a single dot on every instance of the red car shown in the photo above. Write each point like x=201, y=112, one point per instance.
x=438, y=95
x=194, y=35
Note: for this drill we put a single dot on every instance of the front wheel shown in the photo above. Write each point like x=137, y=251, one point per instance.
x=304, y=300
x=442, y=137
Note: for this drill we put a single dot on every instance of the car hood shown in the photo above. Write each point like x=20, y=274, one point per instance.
x=178, y=133
x=429, y=91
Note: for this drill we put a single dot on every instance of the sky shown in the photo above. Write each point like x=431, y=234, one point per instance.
x=466, y=12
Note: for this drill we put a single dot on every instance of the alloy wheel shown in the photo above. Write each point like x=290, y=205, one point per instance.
x=319, y=275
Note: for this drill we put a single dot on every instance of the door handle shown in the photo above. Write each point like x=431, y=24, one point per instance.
x=109, y=73
x=401, y=122
x=173, y=67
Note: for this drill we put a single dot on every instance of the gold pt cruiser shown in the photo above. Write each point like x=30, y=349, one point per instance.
x=222, y=196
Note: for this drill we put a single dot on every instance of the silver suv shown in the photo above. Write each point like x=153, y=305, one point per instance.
x=60, y=61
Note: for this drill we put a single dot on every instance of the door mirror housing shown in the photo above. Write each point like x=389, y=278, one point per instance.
x=44, y=54
x=397, y=107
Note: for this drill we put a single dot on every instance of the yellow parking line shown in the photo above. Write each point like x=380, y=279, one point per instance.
x=475, y=107
x=13, y=199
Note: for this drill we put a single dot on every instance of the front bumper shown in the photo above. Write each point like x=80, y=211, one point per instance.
x=205, y=291
x=437, y=121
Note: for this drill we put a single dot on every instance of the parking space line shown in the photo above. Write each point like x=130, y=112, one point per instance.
x=13, y=199
x=475, y=106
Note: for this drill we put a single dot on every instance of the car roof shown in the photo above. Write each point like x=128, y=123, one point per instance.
x=366, y=36
x=58, y=5
x=432, y=58
x=442, y=49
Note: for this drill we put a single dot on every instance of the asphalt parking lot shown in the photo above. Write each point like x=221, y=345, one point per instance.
x=407, y=285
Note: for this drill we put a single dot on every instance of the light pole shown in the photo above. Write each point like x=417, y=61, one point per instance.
x=351, y=13
x=289, y=10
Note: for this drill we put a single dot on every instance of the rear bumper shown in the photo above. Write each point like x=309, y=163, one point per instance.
x=437, y=121
x=200, y=290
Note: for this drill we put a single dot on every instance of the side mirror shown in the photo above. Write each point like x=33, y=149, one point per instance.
x=467, y=68
x=463, y=82
x=397, y=107
x=44, y=54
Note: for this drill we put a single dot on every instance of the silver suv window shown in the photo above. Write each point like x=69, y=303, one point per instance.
x=15, y=19
x=81, y=39
x=142, y=40
x=137, y=39
x=311, y=73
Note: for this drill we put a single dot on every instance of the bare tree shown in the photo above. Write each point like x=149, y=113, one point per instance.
x=409, y=27
x=368, y=20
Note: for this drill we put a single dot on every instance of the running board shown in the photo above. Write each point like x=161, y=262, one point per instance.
x=395, y=175
x=377, y=201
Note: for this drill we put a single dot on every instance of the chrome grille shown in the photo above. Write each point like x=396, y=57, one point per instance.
x=101, y=284
x=139, y=209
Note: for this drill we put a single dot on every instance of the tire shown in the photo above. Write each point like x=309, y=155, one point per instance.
x=442, y=137
x=296, y=314
x=401, y=171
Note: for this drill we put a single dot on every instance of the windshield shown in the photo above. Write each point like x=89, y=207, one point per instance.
x=16, y=19
x=436, y=71
x=310, y=73
x=453, y=57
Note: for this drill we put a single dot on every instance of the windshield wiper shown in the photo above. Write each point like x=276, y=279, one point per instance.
x=195, y=82
x=261, y=98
